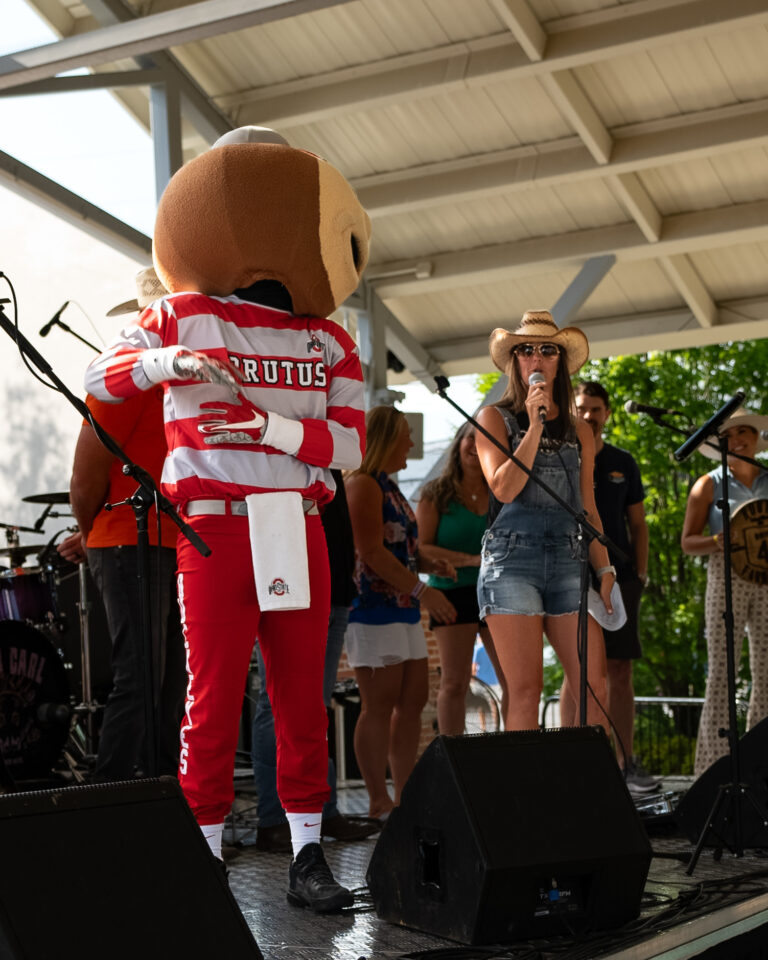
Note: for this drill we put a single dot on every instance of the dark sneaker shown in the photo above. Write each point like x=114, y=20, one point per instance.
x=638, y=779
x=222, y=868
x=276, y=839
x=311, y=883
x=349, y=828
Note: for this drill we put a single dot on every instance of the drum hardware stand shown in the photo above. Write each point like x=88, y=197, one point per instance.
x=585, y=534
x=727, y=807
x=146, y=495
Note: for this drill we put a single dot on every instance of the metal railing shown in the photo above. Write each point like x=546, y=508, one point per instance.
x=665, y=730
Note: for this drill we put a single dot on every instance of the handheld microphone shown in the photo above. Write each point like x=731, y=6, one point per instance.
x=710, y=427
x=45, y=330
x=631, y=407
x=536, y=378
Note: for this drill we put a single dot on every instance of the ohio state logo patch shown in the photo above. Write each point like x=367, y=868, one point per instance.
x=279, y=587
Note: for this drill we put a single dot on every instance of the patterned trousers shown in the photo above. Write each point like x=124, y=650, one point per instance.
x=750, y=613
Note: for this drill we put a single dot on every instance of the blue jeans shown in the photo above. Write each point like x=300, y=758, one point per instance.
x=263, y=746
x=121, y=748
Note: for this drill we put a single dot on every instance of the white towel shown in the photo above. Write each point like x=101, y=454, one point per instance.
x=279, y=550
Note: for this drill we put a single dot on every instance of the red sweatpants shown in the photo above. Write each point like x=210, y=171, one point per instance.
x=221, y=618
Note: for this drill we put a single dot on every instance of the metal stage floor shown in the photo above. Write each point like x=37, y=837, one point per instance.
x=698, y=916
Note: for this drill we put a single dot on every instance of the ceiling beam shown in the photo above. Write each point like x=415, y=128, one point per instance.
x=187, y=24
x=581, y=288
x=207, y=118
x=567, y=95
x=68, y=206
x=419, y=361
x=633, y=196
x=89, y=81
x=681, y=233
x=489, y=60
x=630, y=333
x=674, y=140
x=524, y=26
x=689, y=284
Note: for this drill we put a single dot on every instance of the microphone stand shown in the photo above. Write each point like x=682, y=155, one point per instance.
x=585, y=533
x=142, y=500
x=60, y=323
x=730, y=796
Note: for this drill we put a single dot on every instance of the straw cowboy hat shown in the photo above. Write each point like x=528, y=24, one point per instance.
x=537, y=326
x=742, y=418
x=148, y=289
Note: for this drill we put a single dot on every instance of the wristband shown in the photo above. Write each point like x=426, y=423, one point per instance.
x=418, y=589
x=714, y=537
x=603, y=570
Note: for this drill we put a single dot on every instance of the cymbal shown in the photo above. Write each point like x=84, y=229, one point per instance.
x=21, y=551
x=47, y=498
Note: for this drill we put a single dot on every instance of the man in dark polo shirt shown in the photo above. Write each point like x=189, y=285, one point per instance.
x=619, y=497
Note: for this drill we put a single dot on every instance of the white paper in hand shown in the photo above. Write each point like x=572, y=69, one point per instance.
x=596, y=607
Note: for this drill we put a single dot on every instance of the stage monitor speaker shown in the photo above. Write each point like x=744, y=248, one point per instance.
x=113, y=870
x=695, y=807
x=508, y=836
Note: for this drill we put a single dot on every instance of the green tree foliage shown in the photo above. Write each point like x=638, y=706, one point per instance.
x=696, y=382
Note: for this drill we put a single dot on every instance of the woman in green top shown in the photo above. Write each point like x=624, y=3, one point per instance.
x=451, y=516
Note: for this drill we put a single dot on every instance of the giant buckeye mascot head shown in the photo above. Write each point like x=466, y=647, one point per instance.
x=248, y=211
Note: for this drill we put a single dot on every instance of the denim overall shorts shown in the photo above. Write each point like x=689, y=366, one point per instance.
x=530, y=553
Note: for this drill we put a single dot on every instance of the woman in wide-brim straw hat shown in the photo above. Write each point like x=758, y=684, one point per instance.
x=529, y=583
x=744, y=432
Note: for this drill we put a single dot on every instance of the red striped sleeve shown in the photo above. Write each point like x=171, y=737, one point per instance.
x=317, y=447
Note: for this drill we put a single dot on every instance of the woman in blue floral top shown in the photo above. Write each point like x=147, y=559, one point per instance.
x=385, y=640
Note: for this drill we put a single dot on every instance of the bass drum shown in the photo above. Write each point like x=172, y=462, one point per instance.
x=34, y=702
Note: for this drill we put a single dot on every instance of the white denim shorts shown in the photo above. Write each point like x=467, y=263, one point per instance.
x=384, y=644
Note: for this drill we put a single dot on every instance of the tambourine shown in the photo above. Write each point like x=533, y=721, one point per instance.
x=749, y=541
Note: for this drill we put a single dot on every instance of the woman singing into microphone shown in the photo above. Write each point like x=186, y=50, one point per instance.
x=530, y=572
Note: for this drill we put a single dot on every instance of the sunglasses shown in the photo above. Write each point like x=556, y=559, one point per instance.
x=547, y=350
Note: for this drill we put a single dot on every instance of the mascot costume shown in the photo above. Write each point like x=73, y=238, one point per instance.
x=256, y=242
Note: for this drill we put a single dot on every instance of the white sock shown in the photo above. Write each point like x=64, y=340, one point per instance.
x=212, y=833
x=305, y=828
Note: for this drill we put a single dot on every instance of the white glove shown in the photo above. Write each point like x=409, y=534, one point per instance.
x=177, y=363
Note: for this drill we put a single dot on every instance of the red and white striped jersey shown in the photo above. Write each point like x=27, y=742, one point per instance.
x=303, y=368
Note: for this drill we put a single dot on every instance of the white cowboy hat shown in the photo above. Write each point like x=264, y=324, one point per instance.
x=537, y=326
x=148, y=289
x=742, y=418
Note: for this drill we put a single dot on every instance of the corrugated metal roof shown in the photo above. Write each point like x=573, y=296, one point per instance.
x=505, y=143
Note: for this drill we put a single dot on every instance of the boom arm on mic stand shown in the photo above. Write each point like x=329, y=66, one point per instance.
x=56, y=321
x=711, y=427
x=46, y=328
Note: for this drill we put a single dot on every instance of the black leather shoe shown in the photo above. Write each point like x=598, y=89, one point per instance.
x=311, y=883
x=275, y=839
x=345, y=828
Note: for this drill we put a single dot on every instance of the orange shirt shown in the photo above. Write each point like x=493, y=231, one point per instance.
x=137, y=425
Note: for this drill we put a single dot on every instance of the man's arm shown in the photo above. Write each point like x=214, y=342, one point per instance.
x=89, y=485
x=638, y=535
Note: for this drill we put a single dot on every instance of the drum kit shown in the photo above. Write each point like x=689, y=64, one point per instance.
x=47, y=677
